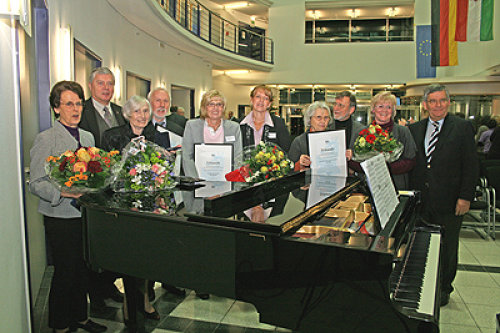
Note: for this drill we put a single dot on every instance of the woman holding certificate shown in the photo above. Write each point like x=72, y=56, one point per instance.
x=211, y=128
x=317, y=118
x=259, y=125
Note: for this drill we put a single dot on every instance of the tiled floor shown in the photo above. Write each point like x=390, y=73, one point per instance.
x=472, y=307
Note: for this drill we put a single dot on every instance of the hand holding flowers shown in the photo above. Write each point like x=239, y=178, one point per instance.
x=373, y=141
x=87, y=169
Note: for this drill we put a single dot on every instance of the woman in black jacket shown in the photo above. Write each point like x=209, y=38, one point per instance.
x=259, y=125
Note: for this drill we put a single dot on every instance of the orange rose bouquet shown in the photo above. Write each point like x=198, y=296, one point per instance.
x=87, y=169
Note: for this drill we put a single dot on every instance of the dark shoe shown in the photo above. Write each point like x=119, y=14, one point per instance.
x=152, y=315
x=445, y=299
x=115, y=295
x=174, y=290
x=203, y=296
x=89, y=326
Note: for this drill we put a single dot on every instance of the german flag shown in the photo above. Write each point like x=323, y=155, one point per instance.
x=443, y=25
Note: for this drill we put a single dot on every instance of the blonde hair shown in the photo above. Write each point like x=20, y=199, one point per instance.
x=384, y=96
x=207, y=97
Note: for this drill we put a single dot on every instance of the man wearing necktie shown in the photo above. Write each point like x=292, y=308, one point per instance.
x=446, y=172
x=99, y=114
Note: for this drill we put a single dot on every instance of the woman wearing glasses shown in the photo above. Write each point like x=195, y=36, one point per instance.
x=383, y=106
x=62, y=220
x=210, y=128
x=317, y=118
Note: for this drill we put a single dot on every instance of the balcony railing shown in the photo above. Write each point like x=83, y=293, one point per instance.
x=214, y=29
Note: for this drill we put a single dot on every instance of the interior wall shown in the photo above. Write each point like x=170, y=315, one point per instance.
x=14, y=314
x=121, y=44
x=235, y=94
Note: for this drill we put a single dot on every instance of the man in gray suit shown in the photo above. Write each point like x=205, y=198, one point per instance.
x=99, y=113
x=344, y=107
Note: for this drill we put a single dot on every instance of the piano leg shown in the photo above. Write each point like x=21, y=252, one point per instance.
x=134, y=297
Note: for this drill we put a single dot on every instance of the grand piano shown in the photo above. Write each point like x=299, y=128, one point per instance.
x=273, y=245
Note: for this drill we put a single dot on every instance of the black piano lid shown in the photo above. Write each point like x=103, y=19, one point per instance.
x=278, y=207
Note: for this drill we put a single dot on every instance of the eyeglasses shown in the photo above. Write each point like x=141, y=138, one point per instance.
x=433, y=102
x=214, y=104
x=72, y=105
x=382, y=107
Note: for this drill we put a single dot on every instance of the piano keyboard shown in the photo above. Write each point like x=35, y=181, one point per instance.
x=414, y=280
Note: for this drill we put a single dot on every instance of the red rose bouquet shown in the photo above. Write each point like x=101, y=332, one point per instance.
x=87, y=169
x=373, y=141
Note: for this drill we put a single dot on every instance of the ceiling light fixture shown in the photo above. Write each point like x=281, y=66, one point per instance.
x=237, y=71
x=353, y=13
x=391, y=12
x=236, y=5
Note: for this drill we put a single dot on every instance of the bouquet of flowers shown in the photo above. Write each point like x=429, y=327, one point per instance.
x=161, y=202
x=373, y=141
x=87, y=169
x=263, y=162
x=145, y=167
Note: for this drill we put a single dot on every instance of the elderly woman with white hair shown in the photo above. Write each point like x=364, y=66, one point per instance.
x=317, y=118
x=137, y=111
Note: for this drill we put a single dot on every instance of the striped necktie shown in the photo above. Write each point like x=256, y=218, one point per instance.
x=432, y=142
x=108, y=117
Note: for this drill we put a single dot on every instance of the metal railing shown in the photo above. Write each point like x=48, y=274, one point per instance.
x=214, y=29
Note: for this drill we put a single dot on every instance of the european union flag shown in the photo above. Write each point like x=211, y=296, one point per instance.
x=424, y=68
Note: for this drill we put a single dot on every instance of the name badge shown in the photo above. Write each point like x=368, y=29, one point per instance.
x=161, y=129
x=230, y=138
x=272, y=135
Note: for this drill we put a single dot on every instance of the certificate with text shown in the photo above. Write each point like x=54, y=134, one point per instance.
x=213, y=161
x=327, y=153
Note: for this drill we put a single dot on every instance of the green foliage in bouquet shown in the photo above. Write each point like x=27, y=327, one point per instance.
x=87, y=169
x=145, y=167
x=267, y=161
x=373, y=141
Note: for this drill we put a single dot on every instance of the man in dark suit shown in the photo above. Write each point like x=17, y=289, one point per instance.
x=446, y=172
x=177, y=116
x=98, y=115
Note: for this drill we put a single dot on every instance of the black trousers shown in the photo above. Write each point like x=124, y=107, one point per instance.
x=68, y=291
x=449, y=254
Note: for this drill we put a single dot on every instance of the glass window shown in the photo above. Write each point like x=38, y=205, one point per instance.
x=301, y=96
x=401, y=29
x=368, y=30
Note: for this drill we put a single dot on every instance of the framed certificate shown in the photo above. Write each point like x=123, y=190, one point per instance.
x=213, y=160
x=327, y=153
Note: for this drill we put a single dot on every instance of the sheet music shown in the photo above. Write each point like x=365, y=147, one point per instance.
x=381, y=187
x=327, y=153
